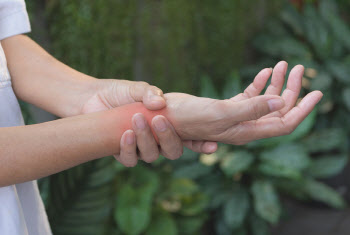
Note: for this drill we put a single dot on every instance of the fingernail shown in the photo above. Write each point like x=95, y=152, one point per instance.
x=130, y=138
x=160, y=125
x=275, y=104
x=153, y=95
x=139, y=121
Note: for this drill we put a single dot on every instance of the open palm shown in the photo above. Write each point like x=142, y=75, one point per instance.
x=247, y=116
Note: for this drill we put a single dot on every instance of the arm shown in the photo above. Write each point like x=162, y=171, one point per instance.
x=40, y=79
x=31, y=152
x=35, y=151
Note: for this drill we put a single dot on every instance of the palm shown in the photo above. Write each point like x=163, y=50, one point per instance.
x=222, y=120
x=288, y=118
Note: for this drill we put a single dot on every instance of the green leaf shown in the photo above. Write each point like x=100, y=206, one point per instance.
x=323, y=193
x=338, y=26
x=236, y=162
x=346, y=97
x=207, y=88
x=258, y=225
x=325, y=140
x=194, y=205
x=192, y=171
x=133, y=206
x=79, y=200
x=317, y=33
x=290, y=156
x=327, y=166
x=133, y=211
x=279, y=171
x=266, y=203
x=162, y=223
x=282, y=47
x=236, y=209
x=189, y=225
x=339, y=70
x=182, y=187
x=293, y=19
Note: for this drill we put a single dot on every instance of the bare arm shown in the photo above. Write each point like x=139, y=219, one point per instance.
x=40, y=79
x=35, y=151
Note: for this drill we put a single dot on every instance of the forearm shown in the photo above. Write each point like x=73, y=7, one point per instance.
x=40, y=79
x=32, y=152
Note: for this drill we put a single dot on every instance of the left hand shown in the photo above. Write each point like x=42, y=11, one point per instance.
x=112, y=93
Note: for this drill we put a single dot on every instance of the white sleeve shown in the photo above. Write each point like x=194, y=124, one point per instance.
x=13, y=18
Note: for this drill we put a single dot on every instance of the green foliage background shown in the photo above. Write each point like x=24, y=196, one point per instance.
x=213, y=49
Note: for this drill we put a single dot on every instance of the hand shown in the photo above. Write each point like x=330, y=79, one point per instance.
x=112, y=93
x=247, y=116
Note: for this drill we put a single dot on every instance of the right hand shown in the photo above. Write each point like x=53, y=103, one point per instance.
x=247, y=116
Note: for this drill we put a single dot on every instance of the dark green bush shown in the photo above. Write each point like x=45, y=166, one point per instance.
x=175, y=44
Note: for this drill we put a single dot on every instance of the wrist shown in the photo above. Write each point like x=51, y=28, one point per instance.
x=114, y=122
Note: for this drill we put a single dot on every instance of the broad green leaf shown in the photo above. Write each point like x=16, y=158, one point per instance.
x=339, y=27
x=279, y=171
x=294, y=188
x=236, y=162
x=325, y=140
x=192, y=171
x=194, y=205
x=207, y=88
x=340, y=70
x=221, y=228
x=162, y=223
x=133, y=206
x=258, y=225
x=236, y=209
x=293, y=19
x=133, y=211
x=346, y=97
x=291, y=156
x=266, y=203
x=317, y=33
x=282, y=47
x=189, y=225
x=233, y=86
x=323, y=193
x=182, y=187
x=327, y=166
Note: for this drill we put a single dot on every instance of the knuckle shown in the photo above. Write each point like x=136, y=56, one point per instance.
x=143, y=84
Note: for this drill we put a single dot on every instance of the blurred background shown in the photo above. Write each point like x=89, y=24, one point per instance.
x=295, y=184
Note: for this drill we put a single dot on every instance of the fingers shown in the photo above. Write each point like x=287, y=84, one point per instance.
x=291, y=93
x=277, y=80
x=128, y=153
x=276, y=126
x=151, y=96
x=256, y=87
x=170, y=143
x=146, y=143
x=206, y=147
x=253, y=108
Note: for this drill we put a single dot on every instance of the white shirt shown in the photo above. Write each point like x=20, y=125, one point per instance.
x=21, y=209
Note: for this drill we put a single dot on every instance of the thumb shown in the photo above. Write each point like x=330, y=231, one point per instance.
x=150, y=96
x=257, y=107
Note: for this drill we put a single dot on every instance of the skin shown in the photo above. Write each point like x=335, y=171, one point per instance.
x=40, y=79
x=32, y=152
